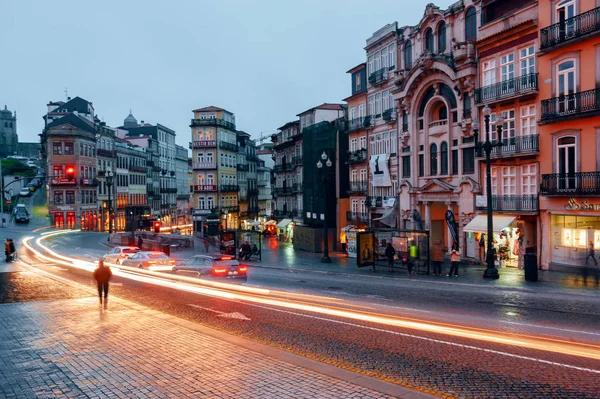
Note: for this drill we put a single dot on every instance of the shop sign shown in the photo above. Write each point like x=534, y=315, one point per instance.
x=88, y=206
x=65, y=208
x=584, y=205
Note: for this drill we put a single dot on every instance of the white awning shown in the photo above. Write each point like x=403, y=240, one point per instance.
x=479, y=223
x=284, y=223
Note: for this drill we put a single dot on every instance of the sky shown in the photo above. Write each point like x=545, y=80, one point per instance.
x=264, y=60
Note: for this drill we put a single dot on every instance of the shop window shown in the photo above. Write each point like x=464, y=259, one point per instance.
x=70, y=197
x=69, y=149
x=57, y=148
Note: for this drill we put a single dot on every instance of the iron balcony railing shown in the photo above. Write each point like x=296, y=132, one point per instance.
x=357, y=186
x=297, y=160
x=359, y=123
x=229, y=188
x=389, y=115
x=253, y=191
x=374, y=202
x=528, y=144
x=233, y=208
x=508, y=88
x=571, y=183
x=571, y=104
x=297, y=188
x=242, y=167
x=137, y=168
x=379, y=76
x=358, y=156
x=570, y=29
x=357, y=216
x=213, y=122
x=298, y=213
x=514, y=203
x=228, y=146
x=204, y=165
x=101, y=152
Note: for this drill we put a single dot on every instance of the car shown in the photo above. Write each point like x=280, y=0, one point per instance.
x=151, y=260
x=21, y=214
x=31, y=187
x=117, y=254
x=25, y=192
x=217, y=265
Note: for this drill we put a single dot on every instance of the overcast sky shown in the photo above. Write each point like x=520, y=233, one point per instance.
x=263, y=60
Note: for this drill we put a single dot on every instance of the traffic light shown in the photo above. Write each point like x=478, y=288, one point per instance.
x=70, y=173
x=157, y=227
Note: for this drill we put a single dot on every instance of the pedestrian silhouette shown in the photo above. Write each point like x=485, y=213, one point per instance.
x=12, y=250
x=7, y=249
x=102, y=275
x=390, y=253
x=140, y=242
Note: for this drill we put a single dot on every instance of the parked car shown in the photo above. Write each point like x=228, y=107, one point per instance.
x=31, y=187
x=21, y=214
x=118, y=254
x=217, y=265
x=25, y=192
x=151, y=260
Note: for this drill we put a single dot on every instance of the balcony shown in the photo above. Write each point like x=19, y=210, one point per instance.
x=213, y=122
x=579, y=183
x=357, y=187
x=151, y=193
x=284, y=167
x=374, y=202
x=362, y=217
x=297, y=160
x=203, y=188
x=298, y=213
x=229, y=209
x=283, y=214
x=379, y=77
x=358, y=156
x=229, y=188
x=141, y=169
x=389, y=115
x=89, y=182
x=150, y=163
x=571, y=106
x=201, y=211
x=242, y=167
x=507, y=89
x=101, y=152
x=570, y=30
x=512, y=203
x=204, y=165
x=516, y=146
x=62, y=181
x=253, y=210
x=168, y=190
x=438, y=127
x=359, y=123
x=297, y=188
x=228, y=146
x=252, y=191
x=204, y=144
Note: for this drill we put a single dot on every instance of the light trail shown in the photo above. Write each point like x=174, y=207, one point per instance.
x=589, y=351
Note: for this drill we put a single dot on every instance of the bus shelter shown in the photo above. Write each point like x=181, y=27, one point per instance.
x=252, y=238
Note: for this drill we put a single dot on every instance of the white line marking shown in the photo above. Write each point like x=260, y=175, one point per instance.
x=117, y=284
x=438, y=341
x=62, y=269
x=234, y=315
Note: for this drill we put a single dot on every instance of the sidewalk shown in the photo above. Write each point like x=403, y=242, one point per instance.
x=75, y=349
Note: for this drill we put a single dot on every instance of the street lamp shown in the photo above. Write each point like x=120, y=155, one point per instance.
x=324, y=178
x=109, y=183
x=488, y=146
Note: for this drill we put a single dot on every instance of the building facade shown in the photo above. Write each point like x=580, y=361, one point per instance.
x=130, y=182
x=287, y=171
x=105, y=156
x=183, y=187
x=264, y=177
x=9, y=140
x=569, y=131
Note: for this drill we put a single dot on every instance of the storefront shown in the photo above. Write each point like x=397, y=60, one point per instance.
x=571, y=227
x=285, y=230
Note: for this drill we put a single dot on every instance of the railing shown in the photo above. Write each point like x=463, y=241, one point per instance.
x=204, y=165
x=379, y=76
x=297, y=161
x=442, y=122
x=229, y=188
x=507, y=88
x=571, y=104
x=169, y=190
x=389, y=115
x=289, y=166
x=571, y=183
x=357, y=216
x=233, y=208
x=528, y=144
x=201, y=211
x=283, y=214
x=570, y=29
x=101, y=152
x=516, y=203
x=298, y=213
x=151, y=193
x=297, y=188
x=224, y=145
x=204, y=144
x=253, y=209
x=359, y=123
x=136, y=168
x=358, y=186
x=357, y=156
x=374, y=202
x=242, y=167
x=213, y=122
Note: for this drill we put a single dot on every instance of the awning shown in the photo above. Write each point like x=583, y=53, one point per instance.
x=253, y=223
x=271, y=222
x=349, y=227
x=283, y=224
x=389, y=217
x=479, y=223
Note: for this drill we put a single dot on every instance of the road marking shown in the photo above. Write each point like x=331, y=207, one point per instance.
x=234, y=315
x=62, y=269
x=117, y=284
x=438, y=341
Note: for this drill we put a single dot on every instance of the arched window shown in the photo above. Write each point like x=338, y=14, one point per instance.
x=408, y=55
x=444, y=160
x=429, y=40
x=471, y=24
x=433, y=159
x=443, y=113
x=441, y=37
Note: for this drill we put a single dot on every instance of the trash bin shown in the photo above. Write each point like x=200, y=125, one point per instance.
x=531, y=270
x=166, y=249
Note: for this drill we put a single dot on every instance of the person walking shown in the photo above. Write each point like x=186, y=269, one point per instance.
x=454, y=259
x=7, y=249
x=437, y=255
x=102, y=275
x=12, y=250
x=591, y=254
x=206, y=244
x=140, y=242
x=390, y=253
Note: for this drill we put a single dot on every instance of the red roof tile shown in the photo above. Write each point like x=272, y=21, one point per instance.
x=211, y=108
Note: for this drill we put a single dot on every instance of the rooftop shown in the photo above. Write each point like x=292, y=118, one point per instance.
x=326, y=106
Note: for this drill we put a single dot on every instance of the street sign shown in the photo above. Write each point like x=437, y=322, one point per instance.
x=8, y=201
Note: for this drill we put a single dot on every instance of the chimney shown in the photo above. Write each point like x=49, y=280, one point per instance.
x=141, y=122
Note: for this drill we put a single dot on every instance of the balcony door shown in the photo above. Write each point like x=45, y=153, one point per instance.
x=507, y=73
x=565, y=11
x=566, y=86
x=567, y=163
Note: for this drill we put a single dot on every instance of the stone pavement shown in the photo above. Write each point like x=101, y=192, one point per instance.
x=76, y=349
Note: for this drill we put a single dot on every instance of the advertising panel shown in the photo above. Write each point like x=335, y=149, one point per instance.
x=379, y=170
x=366, y=255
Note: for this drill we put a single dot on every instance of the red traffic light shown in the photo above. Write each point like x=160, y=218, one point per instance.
x=157, y=227
x=70, y=170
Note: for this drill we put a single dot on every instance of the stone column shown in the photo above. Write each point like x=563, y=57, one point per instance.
x=427, y=214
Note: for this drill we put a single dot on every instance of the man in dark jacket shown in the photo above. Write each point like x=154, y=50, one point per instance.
x=390, y=252
x=102, y=275
x=12, y=249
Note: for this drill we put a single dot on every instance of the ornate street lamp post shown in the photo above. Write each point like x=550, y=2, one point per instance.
x=488, y=146
x=109, y=183
x=325, y=179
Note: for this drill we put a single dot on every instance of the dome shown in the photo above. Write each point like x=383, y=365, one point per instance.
x=130, y=121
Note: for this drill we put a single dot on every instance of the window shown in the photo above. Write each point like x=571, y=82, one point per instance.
x=566, y=86
x=357, y=81
x=354, y=175
x=353, y=144
x=527, y=57
x=567, y=165
x=429, y=40
x=471, y=24
x=363, y=175
x=377, y=62
x=200, y=157
x=201, y=203
x=494, y=178
x=507, y=67
x=69, y=148
x=371, y=105
x=529, y=179
x=58, y=197
x=370, y=65
x=363, y=142
x=70, y=197
x=455, y=162
x=362, y=110
x=509, y=125
x=466, y=105
x=444, y=158
x=468, y=161
x=489, y=72
x=57, y=148
x=564, y=11
x=421, y=165
x=392, y=56
x=528, y=123
x=378, y=104
x=408, y=55
x=384, y=62
x=406, y=166
x=441, y=37
x=509, y=180
x=385, y=100
x=433, y=159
